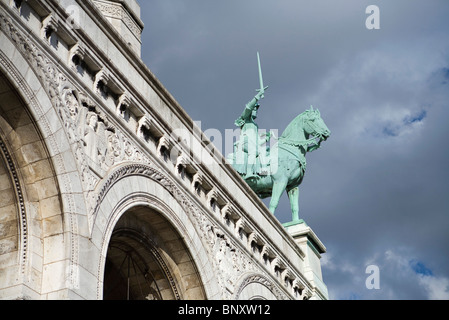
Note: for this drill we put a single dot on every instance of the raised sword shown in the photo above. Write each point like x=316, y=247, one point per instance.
x=262, y=87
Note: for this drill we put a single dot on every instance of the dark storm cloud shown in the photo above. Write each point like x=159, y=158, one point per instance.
x=376, y=193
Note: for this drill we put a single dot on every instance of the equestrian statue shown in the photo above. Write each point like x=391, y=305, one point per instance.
x=271, y=170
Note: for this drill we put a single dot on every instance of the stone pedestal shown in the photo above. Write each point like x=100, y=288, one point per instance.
x=313, y=248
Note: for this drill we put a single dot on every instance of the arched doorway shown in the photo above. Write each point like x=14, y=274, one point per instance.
x=148, y=260
x=133, y=271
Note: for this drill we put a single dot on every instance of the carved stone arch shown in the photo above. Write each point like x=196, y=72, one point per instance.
x=140, y=188
x=258, y=287
x=36, y=198
x=44, y=157
x=14, y=235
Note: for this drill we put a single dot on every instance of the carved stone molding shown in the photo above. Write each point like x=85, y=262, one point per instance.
x=45, y=71
x=229, y=259
x=23, y=223
x=259, y=279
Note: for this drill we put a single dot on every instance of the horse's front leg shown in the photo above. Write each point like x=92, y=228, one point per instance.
x=278, y=189
x=293, y=195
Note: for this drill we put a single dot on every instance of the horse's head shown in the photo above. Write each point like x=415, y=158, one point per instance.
x=314, y=125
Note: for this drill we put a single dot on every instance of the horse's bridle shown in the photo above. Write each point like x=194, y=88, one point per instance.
x=314, y=129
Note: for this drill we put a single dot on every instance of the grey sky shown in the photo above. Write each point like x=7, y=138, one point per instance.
x=377, y=191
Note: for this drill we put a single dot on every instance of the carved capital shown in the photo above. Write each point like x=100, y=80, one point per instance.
x=278, y=267
x=165, y=145
x=148, y=126
x=101, y=77
x=49, y=25
x=124, y=102
x=268, y=254
x=254, y=237
x=229, y=212
x=197, y=183
x=77, y=50
x=242, y=226
x=182, y=161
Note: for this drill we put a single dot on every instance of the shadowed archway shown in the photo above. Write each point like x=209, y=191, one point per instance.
x=148, y=260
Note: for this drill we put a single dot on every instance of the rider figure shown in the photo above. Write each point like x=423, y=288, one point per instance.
x=248, y=147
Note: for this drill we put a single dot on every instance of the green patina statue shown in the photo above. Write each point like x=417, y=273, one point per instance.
x=271, y=170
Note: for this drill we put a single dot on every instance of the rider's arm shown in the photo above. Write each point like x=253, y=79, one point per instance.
x=249, y=108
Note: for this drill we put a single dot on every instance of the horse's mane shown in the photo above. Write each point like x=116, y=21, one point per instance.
x=291, y=133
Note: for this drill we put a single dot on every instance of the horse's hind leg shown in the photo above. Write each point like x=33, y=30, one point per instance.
x=293, y=195
x=278, y=189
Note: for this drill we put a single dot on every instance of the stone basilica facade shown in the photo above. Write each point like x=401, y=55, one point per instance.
x=99, y=199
